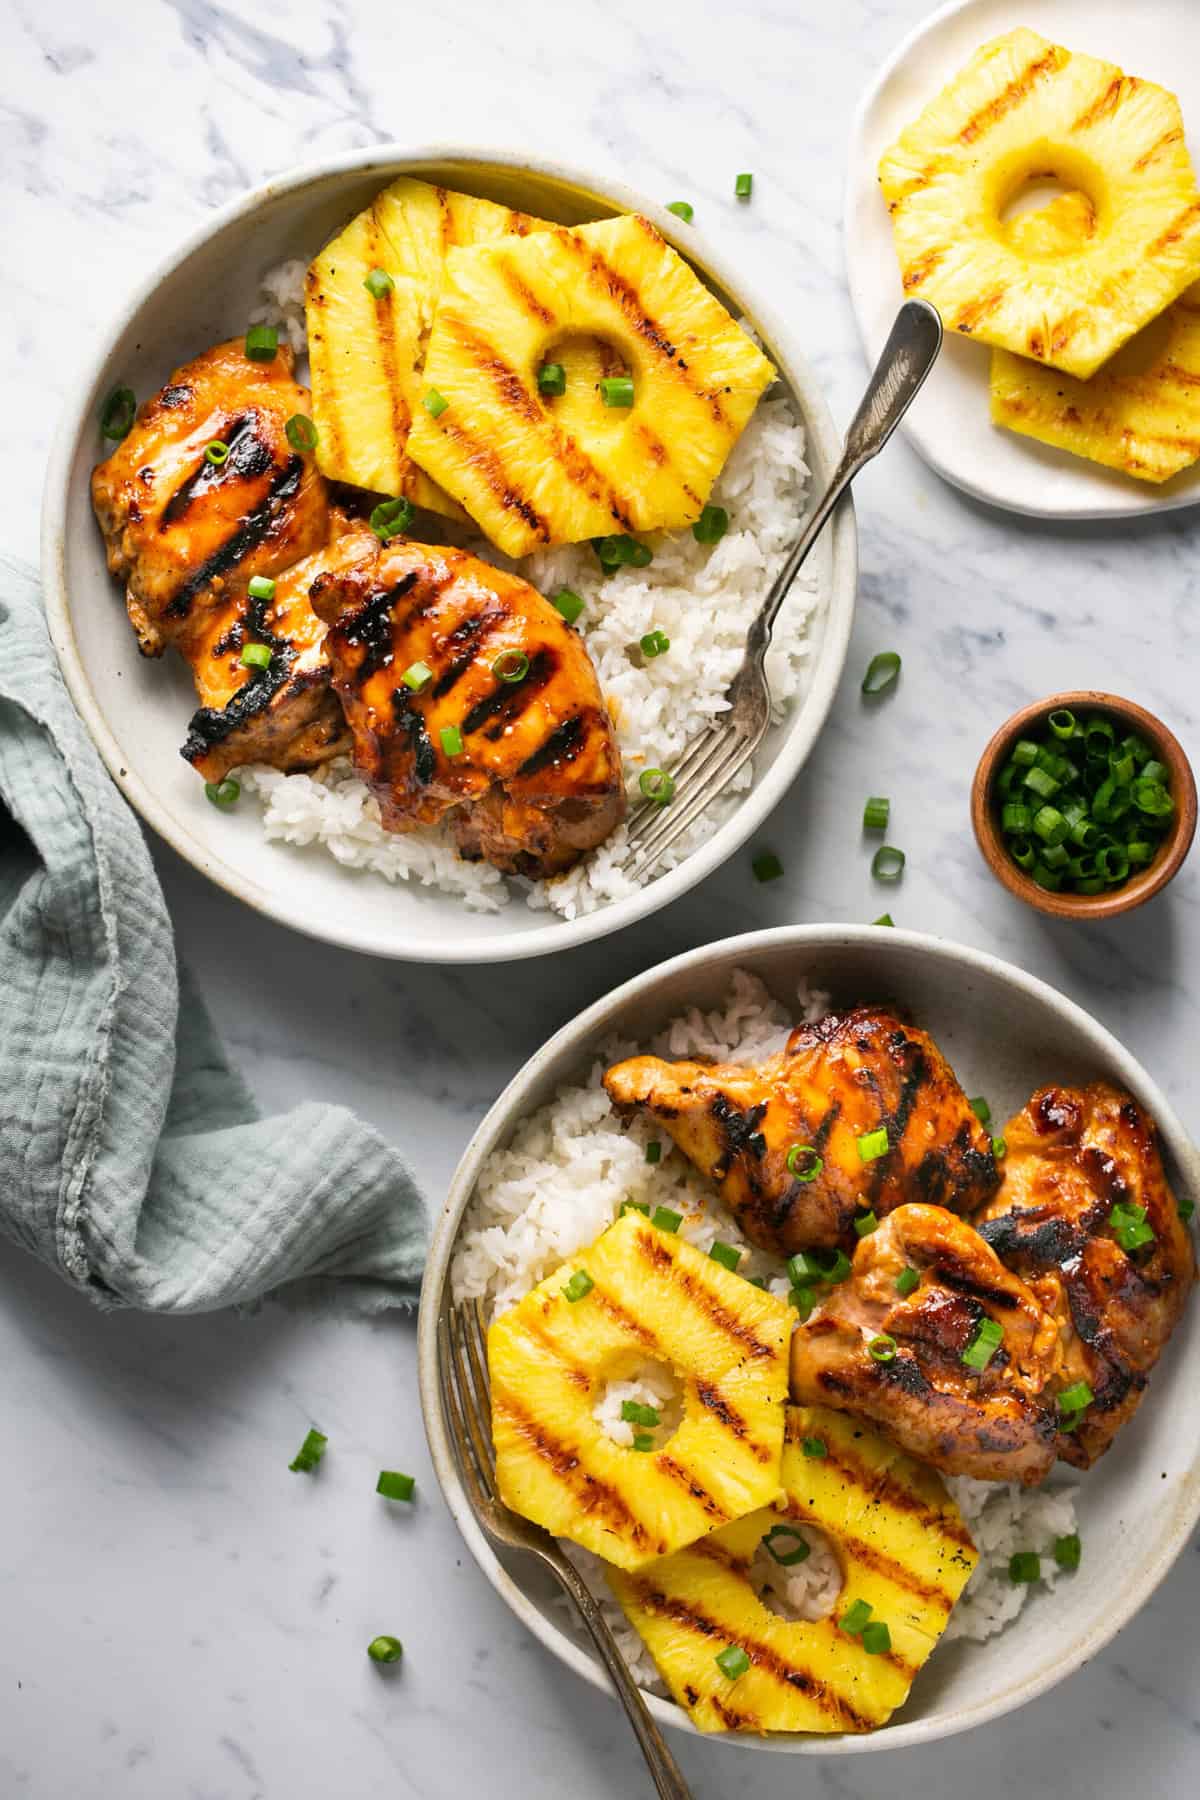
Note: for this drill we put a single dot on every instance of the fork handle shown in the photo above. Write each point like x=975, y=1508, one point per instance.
x=668, y=1781
x=909, y=354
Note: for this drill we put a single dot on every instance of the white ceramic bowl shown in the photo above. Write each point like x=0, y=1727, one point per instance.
x=136, y=711
x=1004, y=1033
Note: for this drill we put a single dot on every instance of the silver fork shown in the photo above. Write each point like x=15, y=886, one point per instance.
x=466, y=1399
x=709, y=763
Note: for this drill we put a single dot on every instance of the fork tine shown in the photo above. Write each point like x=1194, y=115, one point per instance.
x=471, y=1318
x=679, y=770
x=469, y=1398
x=454, y=1413
x=643, y=826
x=678, y=819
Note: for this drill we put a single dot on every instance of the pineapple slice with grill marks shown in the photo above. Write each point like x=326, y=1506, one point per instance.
x=366, y=351
x=1141, y=412
x=1024, y=108
x=903, y=1549
x=550, y=1359
x=609, y=298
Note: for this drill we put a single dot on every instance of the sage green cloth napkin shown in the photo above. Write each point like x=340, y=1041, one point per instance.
x=132, y=1157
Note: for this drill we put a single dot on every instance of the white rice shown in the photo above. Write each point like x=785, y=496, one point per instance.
x=560, y=1182
x=702, y=596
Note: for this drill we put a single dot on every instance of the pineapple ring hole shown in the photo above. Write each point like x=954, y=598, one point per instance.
x=648, y=1384
x=1066, y=189
x=587, y=360
x=807, y=1590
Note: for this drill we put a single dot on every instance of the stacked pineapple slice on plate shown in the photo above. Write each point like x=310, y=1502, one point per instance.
x=1061, y=292
x=681, y=1517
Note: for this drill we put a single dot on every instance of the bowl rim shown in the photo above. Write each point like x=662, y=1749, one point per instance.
x=800, y=730
x=1135, y=891
x=605, y=1015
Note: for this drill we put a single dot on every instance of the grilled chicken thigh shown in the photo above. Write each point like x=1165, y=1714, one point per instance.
x=1073, y=1155
x=471, y=699
x=837, y=1082
x=181, y=531
x=993, y=1423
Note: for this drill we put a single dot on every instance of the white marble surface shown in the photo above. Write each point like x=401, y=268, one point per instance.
x=181, y=1616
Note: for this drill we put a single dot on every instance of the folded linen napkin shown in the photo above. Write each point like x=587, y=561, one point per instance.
x=132, y=1157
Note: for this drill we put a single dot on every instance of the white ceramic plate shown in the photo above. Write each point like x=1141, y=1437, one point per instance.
x=137, y=711
x=949, y=424
x=1004, y=1034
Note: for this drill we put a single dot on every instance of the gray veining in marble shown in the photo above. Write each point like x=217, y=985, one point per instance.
x=180, y=1615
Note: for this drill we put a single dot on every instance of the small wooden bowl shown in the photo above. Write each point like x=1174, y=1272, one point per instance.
x=1141, y=886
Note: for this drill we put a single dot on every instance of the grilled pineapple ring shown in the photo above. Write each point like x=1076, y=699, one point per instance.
x=1025, y=108
x=653, y=1295
x=904, y=1551
x=535, y=469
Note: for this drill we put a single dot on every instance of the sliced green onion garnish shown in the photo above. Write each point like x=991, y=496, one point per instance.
x=634, y=1413
x=416, y=676
x=617, y=390
x=882, y=1348
x=568, y=604
x=579, y=1286
x=887, y=864
x=1024, y=1566
x=742, y=186
x=1022, y=852
x=1186, y=1208
x=619, y=550
x=1130, y=1227
x=385, y=1649
x=117, y=414
x=378, y=283
x=1062, y=723
x=876, y=1638
x=865, y=1224
x=1152, y=798
x=1075, y=1398
x=787, y=1546
x=638, y=1206
x=256, y=656
x=884, y=919
x=711, y=526
x=653, y=1151
x=873, y=1144
x=683, y=209
x=657, y=785
x=655, y=643
x=223, y=793
x=260, y=587
x=999, y=1148
x=217, y=452
x=1153, y=771
x=728, y=1255
x=882, y=671
x=876, y=813
x=815, y=1447
x=642, y=1440
x=981, y=1109
x=733, y=1662
x=301, y=432
x=803, y=1299
x=310, y=1452
x=1046, y=877
x=804, y=1162
x=434, y=403
x=984, y=1345
x=511, y=666
x=855, y=1618
x=552, y=379
x=452, y=740
x=390, y=518
x=1025, y=753
x=767, y=866
x=1067, y=1551
x=262, y=341
x=907, y=1282
x=395, y=1486
x=665, y=1219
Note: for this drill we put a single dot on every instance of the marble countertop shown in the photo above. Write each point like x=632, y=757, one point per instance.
x=181, y=1616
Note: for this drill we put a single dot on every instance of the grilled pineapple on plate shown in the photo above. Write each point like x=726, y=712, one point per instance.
x=1021, y=109
x=366, y=347
x=905, y=1555
x=1140, y=413
x=651, y=1296
x=605, y=300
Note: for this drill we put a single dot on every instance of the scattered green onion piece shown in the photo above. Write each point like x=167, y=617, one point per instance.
x=1186, y=1208
x=1152, y=798
x=216, y=453
x=657, y=785
x=855, y=1618
x=256, y=656
x=1046, y=877
x=733, y=1662
x=620, y=550
x=803, y=1268
x=711, y=526
x=803, y=1299
x=907, y=1282
x=511, y=666
x=884, y=919
x=390, y=518
x=837, y=1269
x=1062, y=722
x=223, y=793
x=617, y=390
x=1099, y=731
x=1122, y=769
x=742, y=186
x=873, y=1144
x=876, y=1638
x=1067, y=1551
x=1111, y=801
x=876, y=813
x=634, y=1413
x=1056, y=856
x=118, y=413
x=1016, y=818
x=310, y=1453
x=683, y=209
x=757, y=1281
x=882, y=670
x=385, y=1649
x=981, y=1109
x=1140, y=852
x=1025, y=753
x=579, y=1286
x=260, y=587
x=434, y=403
x=1130, y=1227
x=642, y=1441
x=638, y=1206
x=1154, y=771
x=301, y=432
x=395, y=1486
x=1049, y=825
x=1112, y=864
x=452, y=740
x=655, y=643
x=767, y=866
x=865, y=1224
x=804, y=1162
x=378, y=283
x=568, y=603
x=815, y=1447
x=1042, y=783
x=1024, y=1566
x=262, y=341
x=882, y=1348
x=665, y=1219
x=780, y=1535
x=983, y=1346
x=887, y=864
x=416, y=676
x=728, y=1255
x=1022, y=852
x=654, y=1151
x=1075, y=1398
x=552, y=379
x=999, y=1148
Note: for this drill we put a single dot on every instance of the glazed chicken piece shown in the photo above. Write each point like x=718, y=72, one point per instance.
x=1075, y=1153
x=992, y=1422
x=181, y=531
x=286, y=714
x=838, y=1081
x=470, y=699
